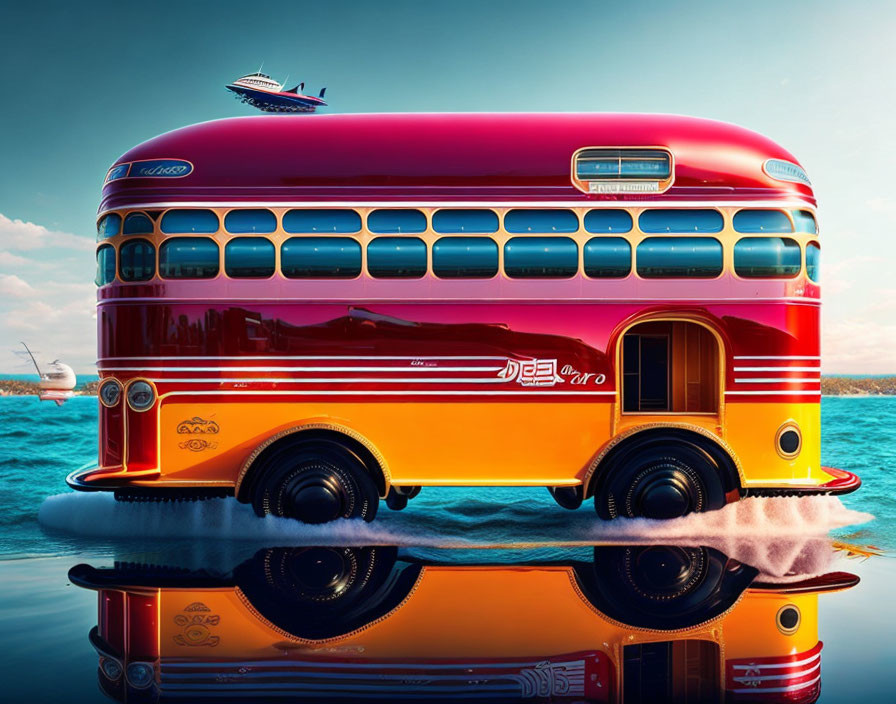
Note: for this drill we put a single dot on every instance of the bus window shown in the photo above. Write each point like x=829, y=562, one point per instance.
x=680, y=220
x=109, y=226
x=105, y=265
x=460, y=221
x=396, y=221
x=249, y=258
x=609, y=220
x=541, y=221
x=773, y=257
x=541, y=257
x=813, y=252
x=762, y=221
x=607, y=257
x=137, y=260
x=465, y=257
x=137, y=224
x=186, y=221
x=321, y=257
x=244, y=221
x=662, y=257
x=805, y=221
x=338, y=221
x=189, y=258
x=396, y=257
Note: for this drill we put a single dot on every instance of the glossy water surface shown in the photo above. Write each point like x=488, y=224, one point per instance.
x=460, y=585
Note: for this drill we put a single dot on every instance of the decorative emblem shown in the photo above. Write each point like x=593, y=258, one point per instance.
x=197, y=445
x=531, y=372
x=198, y=426
x=196, y=628
x=150, y=168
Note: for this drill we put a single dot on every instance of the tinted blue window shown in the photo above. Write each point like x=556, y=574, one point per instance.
x=465, y=257
x=396, y=257
x=670, y=257
x=541, y=221
x=680, y=220
x=767, y=257
x=338, y=221
x=109, y=226
x=105, y=265
x=762, y=221
x=137, y=224
x=185, y=221
x=607, y=257
x=459, y=221
x=321, y=257
x=541, y=257
x=804, y=221
x=396, y=221
x=608, y=221
x=188, y=258
x=239, y=221
x=812, y=255
x=249, y=258
x=137, y=260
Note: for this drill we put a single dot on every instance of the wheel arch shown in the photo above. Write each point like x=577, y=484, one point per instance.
x=732, y=476
x=372, y=459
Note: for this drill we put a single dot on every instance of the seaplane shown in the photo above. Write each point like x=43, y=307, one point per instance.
x=261, y=91
x=57, y=381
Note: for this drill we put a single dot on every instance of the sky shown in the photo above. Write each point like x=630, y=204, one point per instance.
x=84, y=82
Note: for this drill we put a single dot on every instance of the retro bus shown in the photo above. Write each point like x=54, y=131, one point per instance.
x=632, y=623
x=316, y=313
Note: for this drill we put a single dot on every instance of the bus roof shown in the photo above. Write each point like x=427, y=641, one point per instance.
x=427, y=158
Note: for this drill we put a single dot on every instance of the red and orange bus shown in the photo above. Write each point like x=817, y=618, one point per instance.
x=316, y=313
x=636, y=624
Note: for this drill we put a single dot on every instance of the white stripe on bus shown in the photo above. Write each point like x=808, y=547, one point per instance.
x=783, y=380
x=265, y=392
x=224, y=368
x=781, y=357
x=423, y=203
x=793, y=392
x=776, y=369
x=775, y=690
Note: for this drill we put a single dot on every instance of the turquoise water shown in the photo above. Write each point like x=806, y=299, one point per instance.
x=40, y=443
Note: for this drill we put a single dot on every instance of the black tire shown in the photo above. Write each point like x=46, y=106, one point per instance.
x=313, y=480
x=663, y=475
x=662, y=587
x=325, y=592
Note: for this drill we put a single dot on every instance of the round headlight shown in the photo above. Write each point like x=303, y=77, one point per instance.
x=788, y=440
x=788, y=619
x=111, y=668
x=140, y=396
x=140, y=675
x=110, y=393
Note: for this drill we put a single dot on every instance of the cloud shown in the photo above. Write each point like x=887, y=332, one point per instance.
x=859, y=345
x=27, y=236
x=9, y=260
x=14, y=287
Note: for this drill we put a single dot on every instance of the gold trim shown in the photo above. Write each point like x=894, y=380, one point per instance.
x=789, y=424
x=336, y=427
x=799, y=619
x=625, y=434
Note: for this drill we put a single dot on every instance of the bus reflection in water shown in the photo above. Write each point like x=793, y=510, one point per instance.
x=315, y=314
x=633, y=624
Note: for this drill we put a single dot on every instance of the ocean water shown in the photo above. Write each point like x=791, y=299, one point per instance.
x=47, y=530
x=40, y=443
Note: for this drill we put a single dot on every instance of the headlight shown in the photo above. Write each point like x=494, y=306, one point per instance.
x=140, y=396
x=788, y=440
x=110, y=393
x=140, y=675
x=111, y=668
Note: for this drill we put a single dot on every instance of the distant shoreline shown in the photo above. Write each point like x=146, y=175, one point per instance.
x=830, y=386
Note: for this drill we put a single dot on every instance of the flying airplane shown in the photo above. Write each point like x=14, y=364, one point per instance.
x=263, y=92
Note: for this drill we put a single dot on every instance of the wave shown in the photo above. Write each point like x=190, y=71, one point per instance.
x=101, y=516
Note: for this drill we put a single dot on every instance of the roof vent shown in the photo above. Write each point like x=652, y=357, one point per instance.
x=604, y=170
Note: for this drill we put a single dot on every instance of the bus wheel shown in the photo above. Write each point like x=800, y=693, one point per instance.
x=314, y=481
x=661, y=477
